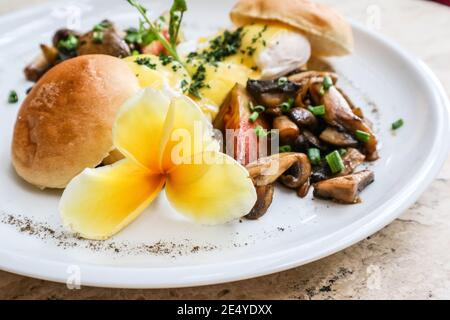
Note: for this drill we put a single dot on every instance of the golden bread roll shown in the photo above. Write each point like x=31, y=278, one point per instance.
x=328, y=31
x=65, y=123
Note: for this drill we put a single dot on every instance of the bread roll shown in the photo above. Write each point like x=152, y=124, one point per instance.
x=65, y=123
x=328, y=32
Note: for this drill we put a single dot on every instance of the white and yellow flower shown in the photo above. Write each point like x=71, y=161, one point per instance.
x=200, y=182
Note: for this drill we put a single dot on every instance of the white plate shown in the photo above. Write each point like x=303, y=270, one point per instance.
x=161, y=250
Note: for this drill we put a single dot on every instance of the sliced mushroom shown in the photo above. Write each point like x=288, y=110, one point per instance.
x=352, y=159
x=344, y=189
x=303, y=190
x=264, y=199
x=271, y=93
x=319, y=64
x=111, y=44
x=301, y=77
x=320, y=172
x=50, y=54
x=313, y=140
x=288, y=130
x=266, y=171
x=37, y=68
x=338, y=113
x=298, y=173
x=302, y=117
x=338, y=138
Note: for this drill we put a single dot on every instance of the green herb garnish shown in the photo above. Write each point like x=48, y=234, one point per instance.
x=221, y=47
x=282, y=81
x=286, y=106
x=198, y=81
x=397, y=124
x=184, y=85
x=254, y=116
x=97, y=37
x=327, y=82
x=335, y=162
x=146, y=61
x=317, y=110
x=13, y=97
x=362, y=136
x=314, y=155
x=178, y=7
x=177, y=10
x=70, y=43
x=286, y=148
x=260, y=131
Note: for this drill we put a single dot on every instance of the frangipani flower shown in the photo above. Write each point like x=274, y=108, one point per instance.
x=100, y=202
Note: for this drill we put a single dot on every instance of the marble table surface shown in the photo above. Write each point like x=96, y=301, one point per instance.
x=409, y=259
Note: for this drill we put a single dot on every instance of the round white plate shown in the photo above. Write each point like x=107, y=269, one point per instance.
x=162, y=250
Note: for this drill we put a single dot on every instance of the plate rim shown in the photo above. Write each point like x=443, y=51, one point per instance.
x=119, y=277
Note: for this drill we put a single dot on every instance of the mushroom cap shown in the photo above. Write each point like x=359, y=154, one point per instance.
x=65, y=123
x=327, y=30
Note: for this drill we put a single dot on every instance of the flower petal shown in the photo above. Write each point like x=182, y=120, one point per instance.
x=139, y=125
x=215, y=191
x=100, y=202
x=187, y=132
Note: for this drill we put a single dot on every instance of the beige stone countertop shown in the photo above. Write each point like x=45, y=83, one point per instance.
x=409, y=259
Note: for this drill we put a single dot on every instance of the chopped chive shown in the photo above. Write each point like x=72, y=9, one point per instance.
x=335, y=162
x=314, y=155
x=13, y=97
x=70, y=43
x=260, y=132
x=342, y=151
x=286, y=148
x=327, y=83
x=97, y=36
x=317, y=110
x=362, y=136
x=397, y=124
x=322, y=91
x=286, y=106
x=254, y=116
x=282, y=81
x=259, y=108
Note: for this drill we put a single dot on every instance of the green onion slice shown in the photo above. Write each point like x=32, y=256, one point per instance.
x=286, y=106
x=254, y=116
x=282, y=81
x=260, y=132
x=317, y=110
x=13, y=97
x=397, y=124
x=362, y=136
x=314, y=155
x=327, y=82
x=335, y=162
x=286, y=148
x=259, y=108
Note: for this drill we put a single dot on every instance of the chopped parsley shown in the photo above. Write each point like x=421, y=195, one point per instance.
x=221, y=47
x=13, y=97
x=198, y=81
x=146, y=61
x=165, y=60
x=184, y=85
